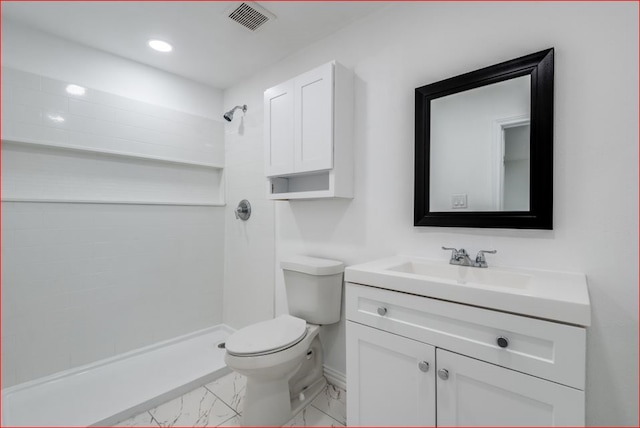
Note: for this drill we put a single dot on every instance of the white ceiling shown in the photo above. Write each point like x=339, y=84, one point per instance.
x=208, y=46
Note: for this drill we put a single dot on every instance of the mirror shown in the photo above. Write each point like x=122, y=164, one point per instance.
x=484, y=147
x=480, y=166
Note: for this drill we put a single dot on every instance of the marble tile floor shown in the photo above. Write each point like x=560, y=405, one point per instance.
x=220, y=403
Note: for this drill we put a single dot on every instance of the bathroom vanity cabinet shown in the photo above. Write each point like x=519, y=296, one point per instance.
x=415, y=360
x=308, y=132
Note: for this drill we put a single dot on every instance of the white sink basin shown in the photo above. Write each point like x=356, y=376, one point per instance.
x=556, y=296
x=464, y=275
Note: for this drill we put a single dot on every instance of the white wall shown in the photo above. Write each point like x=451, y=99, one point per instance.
x=408, y=45
x=82, y=282
x=516, y=168
x=249, y=245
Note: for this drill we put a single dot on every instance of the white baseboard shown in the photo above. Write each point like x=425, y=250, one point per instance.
x=335, y=377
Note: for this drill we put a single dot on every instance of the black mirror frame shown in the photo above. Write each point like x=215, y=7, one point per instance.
x=540, y=215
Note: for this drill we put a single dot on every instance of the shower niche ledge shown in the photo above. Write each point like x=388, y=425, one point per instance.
x=35, y=171
x=66, y=143
x=308, y=135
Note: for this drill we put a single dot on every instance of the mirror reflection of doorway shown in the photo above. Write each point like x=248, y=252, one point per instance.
x=515, y=167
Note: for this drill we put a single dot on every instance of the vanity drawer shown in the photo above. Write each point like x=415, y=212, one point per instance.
x=541, y=348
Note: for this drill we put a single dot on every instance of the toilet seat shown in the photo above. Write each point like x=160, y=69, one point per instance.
x=267, y=337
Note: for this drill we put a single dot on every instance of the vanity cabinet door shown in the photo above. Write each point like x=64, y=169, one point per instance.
x=279, y=129
x=391, y=379
x=472, y=392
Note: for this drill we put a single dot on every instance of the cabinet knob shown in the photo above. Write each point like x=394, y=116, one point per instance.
x=423, y=366
x=502, y=341
x=443, y=374
x=382, y=311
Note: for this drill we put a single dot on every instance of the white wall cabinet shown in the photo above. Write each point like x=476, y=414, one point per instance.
x=308, y=132
x=313, y=120
x=279, y=129
x=536, y=380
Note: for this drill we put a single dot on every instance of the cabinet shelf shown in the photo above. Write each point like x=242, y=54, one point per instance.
x=304, y=186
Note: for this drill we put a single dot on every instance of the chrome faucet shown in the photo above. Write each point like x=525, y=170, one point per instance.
x=481, y=262
x=461, y=257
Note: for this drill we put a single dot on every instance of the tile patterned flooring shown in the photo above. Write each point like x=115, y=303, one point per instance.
x=220, y=403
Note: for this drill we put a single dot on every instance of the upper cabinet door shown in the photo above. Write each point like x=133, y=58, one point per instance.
x=472, y=392
x=279, y=129
x=313, y=107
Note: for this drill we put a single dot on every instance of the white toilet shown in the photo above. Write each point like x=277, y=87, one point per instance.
x=282, y=358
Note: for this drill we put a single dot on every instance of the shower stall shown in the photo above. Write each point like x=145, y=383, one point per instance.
x=113, y=226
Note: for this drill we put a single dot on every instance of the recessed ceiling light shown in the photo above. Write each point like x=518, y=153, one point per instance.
x=75, y=90
x=160, y=46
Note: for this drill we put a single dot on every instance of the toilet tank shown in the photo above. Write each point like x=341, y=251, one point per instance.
x=314, y=288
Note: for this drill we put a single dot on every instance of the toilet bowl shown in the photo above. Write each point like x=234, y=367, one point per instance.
x=282, y=358
x=270, y=365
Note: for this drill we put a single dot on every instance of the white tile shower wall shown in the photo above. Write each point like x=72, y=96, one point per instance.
x=82, y=282
x=43, y=173
x=407, y=45
x=27, y=49
x=249, y=245
x=39, y=109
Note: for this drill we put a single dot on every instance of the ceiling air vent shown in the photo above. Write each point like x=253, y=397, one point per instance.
x=250, y=15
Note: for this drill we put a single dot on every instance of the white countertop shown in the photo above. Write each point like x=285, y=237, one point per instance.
x=556, y=296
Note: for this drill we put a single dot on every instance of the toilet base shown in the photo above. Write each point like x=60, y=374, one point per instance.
x=279, y=385
x=266, y=403
x=309, y=394
x=276, y=409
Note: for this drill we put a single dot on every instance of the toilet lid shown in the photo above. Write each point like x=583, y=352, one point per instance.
x=267, y=336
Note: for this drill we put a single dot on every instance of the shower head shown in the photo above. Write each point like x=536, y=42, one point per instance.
x=229, y=115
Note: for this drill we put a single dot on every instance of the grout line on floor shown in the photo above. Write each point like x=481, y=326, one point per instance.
x=229, y=419
x=223, y=402
x=320, y=410
x=153, y=418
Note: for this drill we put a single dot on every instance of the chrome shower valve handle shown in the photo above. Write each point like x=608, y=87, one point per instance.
x=243, y=210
